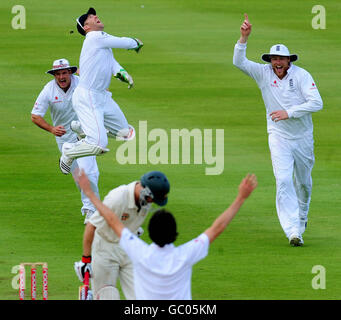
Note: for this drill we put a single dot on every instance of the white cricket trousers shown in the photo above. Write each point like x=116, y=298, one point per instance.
x=110, y=263
x=89, y=165
x=292, y=162
x=97, y=112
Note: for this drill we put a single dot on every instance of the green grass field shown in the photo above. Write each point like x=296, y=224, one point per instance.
x=184, y=78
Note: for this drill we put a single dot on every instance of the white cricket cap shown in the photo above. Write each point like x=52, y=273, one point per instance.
x=61, y=64
x=279, y=50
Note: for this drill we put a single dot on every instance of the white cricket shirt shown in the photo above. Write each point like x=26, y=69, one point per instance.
x=163, y=273
x=296, y=93
x=60, y=104
x=121, y=201
x=97, y=63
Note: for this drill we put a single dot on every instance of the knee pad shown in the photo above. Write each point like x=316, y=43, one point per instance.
x=107, y=293
x=82, y=149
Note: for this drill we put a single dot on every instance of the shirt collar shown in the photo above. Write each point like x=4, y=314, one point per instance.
x=290, y=68
x=166, y=247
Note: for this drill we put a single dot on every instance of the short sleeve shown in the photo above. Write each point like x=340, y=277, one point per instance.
x=42, y=103
x=196, y=249
x=132, y=245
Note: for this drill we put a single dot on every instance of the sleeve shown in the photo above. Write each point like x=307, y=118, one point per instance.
x=310, y=94
x=42, y=103
x=132, y=245
x=109, y=41
x=116, y=67
x=196, y=249
x=252, y=69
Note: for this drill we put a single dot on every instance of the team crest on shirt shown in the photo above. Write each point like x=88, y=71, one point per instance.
x=125, y=216
x=313, y=86
x=56, y=100
x=291, y=84
x=274, y=84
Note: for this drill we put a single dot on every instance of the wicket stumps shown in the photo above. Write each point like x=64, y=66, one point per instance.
x=22, y=280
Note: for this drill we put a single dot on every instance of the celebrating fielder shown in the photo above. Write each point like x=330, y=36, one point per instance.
x=290, y=96
x=57, y=95
x=161, y=270
x=102, y=255
x=95, y=108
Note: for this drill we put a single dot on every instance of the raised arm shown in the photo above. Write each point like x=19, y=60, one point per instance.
x=245, y=29
x=252, y=69
x=248, y=184
x=109, y=41
x=109, y=216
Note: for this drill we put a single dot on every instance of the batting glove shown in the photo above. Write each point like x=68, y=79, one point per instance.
x=83, y=266
x=124, y=76
x=139, y=45
x=139, y=232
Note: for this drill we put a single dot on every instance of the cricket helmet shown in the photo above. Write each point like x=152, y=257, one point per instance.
x=158, y=184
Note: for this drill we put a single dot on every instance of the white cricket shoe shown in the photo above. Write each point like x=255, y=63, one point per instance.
x=77, y=128
x=65, y=162
x=123, y=134
x=296, y=241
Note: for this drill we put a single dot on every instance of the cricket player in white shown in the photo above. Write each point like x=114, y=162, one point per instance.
x=290, y=96
x=102, y=254
x=57, y=96
x=161, y=270
x=95, y=108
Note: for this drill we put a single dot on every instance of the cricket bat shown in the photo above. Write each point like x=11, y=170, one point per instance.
x=83, y=290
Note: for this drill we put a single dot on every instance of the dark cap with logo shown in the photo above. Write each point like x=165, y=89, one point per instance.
x=81, y=20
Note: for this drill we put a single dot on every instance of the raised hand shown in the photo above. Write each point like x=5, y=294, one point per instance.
x=248, y=184
x=245, y=29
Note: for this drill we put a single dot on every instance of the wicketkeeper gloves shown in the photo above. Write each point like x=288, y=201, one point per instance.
x=124, y=76
x=139, y=45
x=83, y=266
